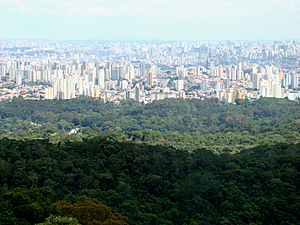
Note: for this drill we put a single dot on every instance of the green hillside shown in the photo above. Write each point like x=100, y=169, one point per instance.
x=185, y=124
x=152, y=184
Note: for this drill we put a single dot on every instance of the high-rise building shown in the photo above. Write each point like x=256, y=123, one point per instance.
x=101, y=78
x=226, y=83
x=276, y=89
x=181, y=94
x=80, y=86
x=239, y=74
x=228, y=74
x=84, y=65
x=265, y=91
x=182, y=72
x=199, y=72
x=203, y=85
x=178, y=85
x=70, y=88
x=115, y=73
x=108, y=65
x=125, y=94
x=2, y=70
x=122, y=71
x=107, y=74
x=286, y=79
x=294, y=81
x=124, y=84
x=229, y=97
x=221, y=71
x=92, y=76
x=233, y=72
x=142, y=70
x=130, y=72
x=240, y=66
x=238, y=94
x=19, y=79
x=137, y=93
x=150, y=79
x=154, y=70
x=49, y=93
x=254, y=69
x=255, y=80
x=12, y=73
x=54, y=84
x=96, y=91
x=212, y=69
x=97, y=66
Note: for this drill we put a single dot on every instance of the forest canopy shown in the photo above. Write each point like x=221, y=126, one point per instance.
x=190, y=115
x=186, y=124
x=151, y=184
x=168, y=162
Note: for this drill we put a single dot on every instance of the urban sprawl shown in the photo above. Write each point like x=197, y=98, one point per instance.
x=149, y=71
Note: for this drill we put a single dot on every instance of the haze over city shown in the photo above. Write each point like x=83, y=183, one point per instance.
x=150, y=20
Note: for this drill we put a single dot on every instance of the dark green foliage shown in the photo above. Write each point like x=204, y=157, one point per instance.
x=7, y=217
x=152, y=184
x=25, y=206
x=186, y=124
x=194, y=115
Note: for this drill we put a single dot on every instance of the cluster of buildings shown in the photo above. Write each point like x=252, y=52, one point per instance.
x=151, y=71
x=9, y=89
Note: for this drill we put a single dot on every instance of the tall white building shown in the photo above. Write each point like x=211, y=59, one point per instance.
x=101, y=79
x=19, y=79
x=80, y=86
x=212, y=68
x=70, y=88
x=124, y=84
x=233, y=72
x=12, y=73
x=2, y=70
x=255, y=80
x=154, y=70
x=49, y=93
x=178, y=85
x=276, y=89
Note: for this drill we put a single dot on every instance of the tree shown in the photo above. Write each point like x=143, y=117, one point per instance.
x=90, y=211
x=7, y=217
x=58, y=220
x=29, y=206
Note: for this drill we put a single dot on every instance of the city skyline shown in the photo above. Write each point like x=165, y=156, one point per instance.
x=147, y=72
x=149, y=20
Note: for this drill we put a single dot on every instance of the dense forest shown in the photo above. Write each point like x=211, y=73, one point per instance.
x=191, y=115
x=216, y=142
x=168, y=162
x=186, y=124
x=149, y=184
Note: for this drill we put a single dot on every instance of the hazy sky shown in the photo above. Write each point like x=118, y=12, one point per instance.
x=150, y=19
